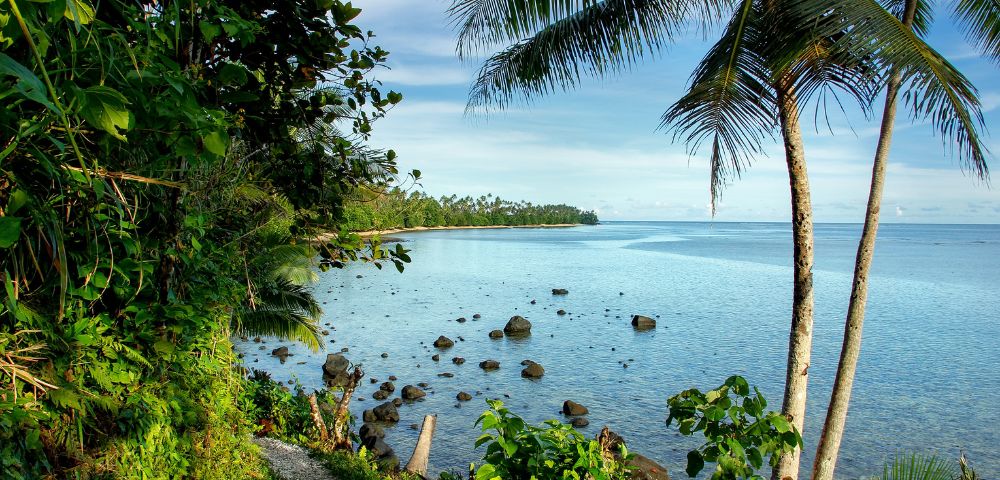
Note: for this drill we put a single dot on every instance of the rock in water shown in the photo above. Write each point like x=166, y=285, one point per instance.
x=387, y=386
x=579, y=422
x=517, y=326
x=477, y=316
x=646, y=469
x=386, y=412
x=460, y=320
x=642, y=322
x=560, y=291
x=444, y=342
x=410, y=392
x=335, y=370
x=436, y=357
x=370, y=431
x=489, y=365
x=463, y=397
x=496, y=334
x=380, y=395
x=458, y=360
x=533, y=371
x=573, y=409
x=280, y=352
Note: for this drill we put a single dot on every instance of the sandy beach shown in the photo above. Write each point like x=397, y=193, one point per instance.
x=372, y=233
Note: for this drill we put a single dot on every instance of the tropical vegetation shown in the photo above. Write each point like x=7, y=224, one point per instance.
x=399, y=209
x=771, y=59
x=162, y=165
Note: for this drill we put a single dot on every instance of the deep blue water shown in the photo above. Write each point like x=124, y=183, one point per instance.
x=927, y=378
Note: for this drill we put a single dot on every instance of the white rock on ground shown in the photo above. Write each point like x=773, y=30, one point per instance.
x=291, y=462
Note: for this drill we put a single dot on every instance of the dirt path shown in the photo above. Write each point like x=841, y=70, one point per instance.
x=291, y=462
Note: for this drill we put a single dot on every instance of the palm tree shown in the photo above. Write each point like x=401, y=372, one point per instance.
x=773, y=55
x=982, y=24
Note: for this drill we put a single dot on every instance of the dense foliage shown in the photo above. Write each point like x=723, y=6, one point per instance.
x=397, y=209
x=160, y=164
x=515, y=449
x=739, y=434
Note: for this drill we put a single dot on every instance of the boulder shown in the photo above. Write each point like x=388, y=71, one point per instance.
x=527, y=362
x=477, y=316
x=517, y=326
x=458, y=360
x=436, y=357
x=397, y=402
x=646, y=469
x=386, y=412
x=642, y=322
x=370, y=431
x=463, y=397
x=368, y=416
x=579, y=422
x=559, y=291
x=410, y=392
x=489, y=365
x=533, y=371
x=380, y=395
x=573, y=409
x=496, y=334
x=280, y=352
x=387, y=386
x=444, y=342
x=335, y=370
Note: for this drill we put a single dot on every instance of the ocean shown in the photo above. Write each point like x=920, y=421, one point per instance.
x=927, y=379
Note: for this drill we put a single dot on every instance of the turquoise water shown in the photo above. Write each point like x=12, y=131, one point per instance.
x=927, y=378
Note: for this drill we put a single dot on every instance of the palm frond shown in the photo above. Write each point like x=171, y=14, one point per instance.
x=292, y=263
x=283, y=309
x=917, y=467
x=604, y=37
x=922, y=19
x=981, y=21
x=486, y=23
x=729, y=100
x=934, y=89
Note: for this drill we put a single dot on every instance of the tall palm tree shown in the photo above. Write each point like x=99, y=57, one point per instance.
x=981, y=20
x=773, y=55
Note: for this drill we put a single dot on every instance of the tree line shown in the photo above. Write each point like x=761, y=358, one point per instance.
x=399, y=209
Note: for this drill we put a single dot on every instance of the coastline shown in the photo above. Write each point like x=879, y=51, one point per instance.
x=372, y=233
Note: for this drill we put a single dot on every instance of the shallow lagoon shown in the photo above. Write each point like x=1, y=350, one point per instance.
x=927, y=379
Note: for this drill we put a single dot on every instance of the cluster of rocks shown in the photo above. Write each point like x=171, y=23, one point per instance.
x=373, y=439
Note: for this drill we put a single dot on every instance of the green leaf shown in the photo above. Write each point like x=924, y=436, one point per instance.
x=80, y=12
x=695, y=463
x=10, y=230
x=232, y=74
x=780, y=424
x=18, y=199
x=217, y=142
x=28, y=84
x=104, y=108
x=164, y=347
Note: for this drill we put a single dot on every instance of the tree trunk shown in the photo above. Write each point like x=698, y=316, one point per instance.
x=341, y=438
x=317, y=418
x=836, y=412
x=422, y=451
x=800, y=336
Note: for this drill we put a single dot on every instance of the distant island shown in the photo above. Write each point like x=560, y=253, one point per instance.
x=398, y=210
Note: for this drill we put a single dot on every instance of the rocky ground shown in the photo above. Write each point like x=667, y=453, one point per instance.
x=291, y=462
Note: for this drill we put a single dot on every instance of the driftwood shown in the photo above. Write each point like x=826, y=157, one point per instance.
x=341, y=434
x=422, y=451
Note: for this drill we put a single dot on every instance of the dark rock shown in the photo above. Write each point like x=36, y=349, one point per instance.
x=410, y=392
x=560, y=312
x=642, y=322
x=436, y=357
x=370, y=431
x=463, y=397
x=533, y=371
x=526, y=362
x=280, y=352
x=392, y=378
x=458, y=360
x=446, y=374
x=489, y=365
x=443, y=342
x=579, y=422
x=335, y=370
x=517, y=326
x=368, y=416
x=573, y=409
x=477, y=316
x=385, y=355
x=460, y=320
x=373, y=380
x=380, y=395
x=533, y=302
x=386, y=412
x=646, y=469
x=256, y=339
x=559, y=291
x=423, y=385
x=496, y=334
x=387, y=386
x=398, y=402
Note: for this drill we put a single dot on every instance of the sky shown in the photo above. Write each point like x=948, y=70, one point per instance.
x=598, y=147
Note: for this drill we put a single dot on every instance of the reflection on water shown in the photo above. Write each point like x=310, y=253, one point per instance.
x=926, y=380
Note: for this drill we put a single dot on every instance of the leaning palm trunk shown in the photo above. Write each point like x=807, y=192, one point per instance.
x=836, y=413
x=800, y=336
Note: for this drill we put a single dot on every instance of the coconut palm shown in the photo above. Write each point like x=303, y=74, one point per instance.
x=981, y=20
x=773, y=55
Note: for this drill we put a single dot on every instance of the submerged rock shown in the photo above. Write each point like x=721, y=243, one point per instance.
x=410, y=392
x=387, y=386
x=496, y=334
x=386, y=412
x=280, y=352
x=444, y=342
x=489, y=365
x=517, y=326
x=560, y=312
x=560, y=291
x=463, y=397
x=533, y=371
x=458, y=360
x=380, y=395
x=642, y=322
x=579, y=422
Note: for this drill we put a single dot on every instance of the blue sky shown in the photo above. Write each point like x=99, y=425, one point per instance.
x=597, y=147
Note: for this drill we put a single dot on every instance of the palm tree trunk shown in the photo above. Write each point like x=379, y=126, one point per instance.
x=836, y=412
x=800, y=336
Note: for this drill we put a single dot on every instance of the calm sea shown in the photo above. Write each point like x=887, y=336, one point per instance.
x=927, y=381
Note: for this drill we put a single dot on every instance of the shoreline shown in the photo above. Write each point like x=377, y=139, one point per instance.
x=372, y=233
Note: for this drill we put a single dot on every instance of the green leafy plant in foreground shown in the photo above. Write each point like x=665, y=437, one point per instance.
x=738, y=434
x=515, y=449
